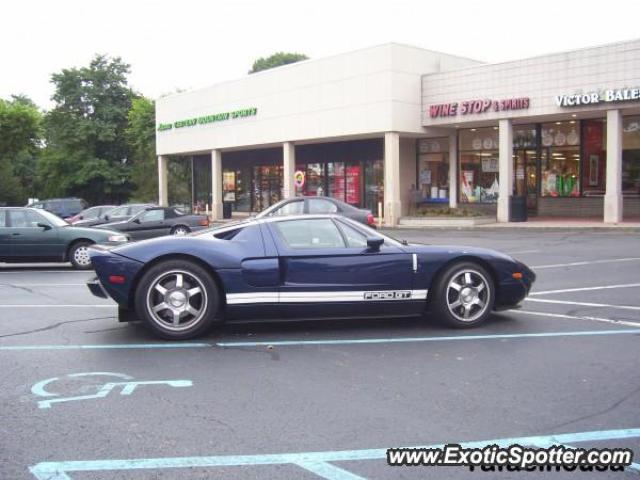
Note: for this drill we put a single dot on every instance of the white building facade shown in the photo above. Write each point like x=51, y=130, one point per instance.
x=398, y=129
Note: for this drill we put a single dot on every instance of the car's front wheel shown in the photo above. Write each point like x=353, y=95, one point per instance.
x=180, y=230
x=464, y=295
x=177, y=299
x=79, y=255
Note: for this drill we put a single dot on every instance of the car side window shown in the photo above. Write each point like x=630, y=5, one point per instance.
x=292, y=208
x=3, y=218
x=91, y=214
x=152, y=216
x=312, y=233
x=24, y=219
x=136, y=209
x=354, y=238
x=320, y=205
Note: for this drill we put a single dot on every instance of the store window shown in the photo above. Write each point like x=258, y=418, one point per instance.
x=336, y=180
x=373, y=184
x=560, y=159
x=267, y=186
x=433, y=170
x=201, y=183
x=631, y=156
x=479, y=178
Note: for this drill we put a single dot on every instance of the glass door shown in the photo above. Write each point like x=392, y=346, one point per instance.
x=525, y=177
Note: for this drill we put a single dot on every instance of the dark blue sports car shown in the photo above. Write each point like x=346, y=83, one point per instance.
x=306, y=267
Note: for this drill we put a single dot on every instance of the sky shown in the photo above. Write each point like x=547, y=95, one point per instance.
x=184, y=44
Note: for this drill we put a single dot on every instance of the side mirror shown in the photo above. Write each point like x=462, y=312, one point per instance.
x=106, y=217
x=44, y=226
x=136, y=220
x=374, y=243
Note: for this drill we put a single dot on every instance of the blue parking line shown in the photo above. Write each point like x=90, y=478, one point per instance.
x=316, y=462
x=288, y=343
x=115, y=346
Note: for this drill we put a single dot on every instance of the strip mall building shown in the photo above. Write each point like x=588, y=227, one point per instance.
x=393, y=125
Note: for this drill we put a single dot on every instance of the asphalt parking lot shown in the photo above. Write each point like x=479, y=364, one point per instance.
x=84, y=397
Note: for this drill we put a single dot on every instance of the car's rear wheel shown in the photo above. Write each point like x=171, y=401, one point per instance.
x=79, y=255
x=177, y=299
x=464, y=295
x=180, y=230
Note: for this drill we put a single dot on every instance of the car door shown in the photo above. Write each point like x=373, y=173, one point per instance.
x=149, y=224
x=324, y=273
x=5, y=235
x=33, y=237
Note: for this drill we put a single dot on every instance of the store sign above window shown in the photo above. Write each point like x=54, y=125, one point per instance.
x=592, y=98
x=216, y=117
x=477, y=106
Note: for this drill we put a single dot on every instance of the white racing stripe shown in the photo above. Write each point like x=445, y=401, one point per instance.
x=585, y=289
x=325, y=297
x=583, y=304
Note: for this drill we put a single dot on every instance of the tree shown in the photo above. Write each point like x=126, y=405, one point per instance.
x=276, y=60
x=87, y=153
x=20, y=136
x=141, y=140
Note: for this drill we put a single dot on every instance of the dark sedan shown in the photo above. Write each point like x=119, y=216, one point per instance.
x=306, y=267
x=32, y=235
x=116, y=214
x=158, y=221
x=318, y=205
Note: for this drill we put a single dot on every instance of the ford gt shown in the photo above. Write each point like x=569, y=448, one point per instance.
x=301, y=267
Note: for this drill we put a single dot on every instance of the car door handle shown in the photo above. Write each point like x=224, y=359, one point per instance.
x=16, y=234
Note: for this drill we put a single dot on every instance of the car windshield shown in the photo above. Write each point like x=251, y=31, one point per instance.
x=53, y=219
x=370, y=232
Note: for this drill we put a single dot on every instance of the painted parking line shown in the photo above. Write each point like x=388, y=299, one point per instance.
x=357, y=341
x=116, y=346
x=319, y=463
x=43, y=284
x=590, y=262
x=625, y=323
x=583, y=304
x=53, y=305
x=353, y=341
x=585, y=289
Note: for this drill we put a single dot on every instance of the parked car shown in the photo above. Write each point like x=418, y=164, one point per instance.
x=63, y=207
x=32, y=235
x=117, y=214
x=90, y=213
x=158, y=221
x=316, y=266
x=318, y=205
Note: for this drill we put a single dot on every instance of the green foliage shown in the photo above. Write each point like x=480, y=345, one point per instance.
x=20, y=137
x=276, y=60
x=87, y=152
x=141, y=139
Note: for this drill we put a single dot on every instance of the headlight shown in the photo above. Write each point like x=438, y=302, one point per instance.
x=117, y=238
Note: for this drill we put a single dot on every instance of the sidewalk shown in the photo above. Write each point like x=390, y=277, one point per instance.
x=542, y=223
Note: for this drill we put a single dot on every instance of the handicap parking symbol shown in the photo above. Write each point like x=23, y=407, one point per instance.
x=99, y=390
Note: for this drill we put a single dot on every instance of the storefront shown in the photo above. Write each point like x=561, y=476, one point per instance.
x=401, y=131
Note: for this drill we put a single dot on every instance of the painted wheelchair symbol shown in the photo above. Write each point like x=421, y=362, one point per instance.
x=127, y=387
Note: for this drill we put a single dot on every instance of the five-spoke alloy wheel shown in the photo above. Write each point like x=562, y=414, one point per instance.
x=177, y=299
x=464, y=295
x=79, y=255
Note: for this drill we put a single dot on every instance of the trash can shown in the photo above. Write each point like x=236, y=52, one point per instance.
x=518, y=207
x=226, y=209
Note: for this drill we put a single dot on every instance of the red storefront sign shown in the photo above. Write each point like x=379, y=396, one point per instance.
x=478, y=106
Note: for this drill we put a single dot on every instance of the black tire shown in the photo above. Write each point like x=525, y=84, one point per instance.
x=79, y=256
x=175, y=297
x=475, y=298
x=180, y=230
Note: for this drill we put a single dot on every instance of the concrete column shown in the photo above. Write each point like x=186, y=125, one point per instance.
x=392, y=200
x=216, y=184
x=453, y=170
x=613, y=195
x=163, y=185
x=289, y=168
x=505, y=166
